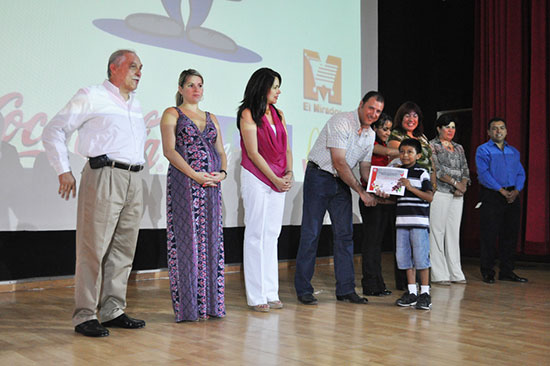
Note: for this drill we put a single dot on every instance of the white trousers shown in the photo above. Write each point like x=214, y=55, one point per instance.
x=445, y=217
x=263, y=217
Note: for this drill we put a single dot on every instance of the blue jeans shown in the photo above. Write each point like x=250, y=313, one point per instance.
x=322, y=192
x=412, y=248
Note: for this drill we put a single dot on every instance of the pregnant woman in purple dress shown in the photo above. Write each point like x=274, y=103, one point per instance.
x=192, y=142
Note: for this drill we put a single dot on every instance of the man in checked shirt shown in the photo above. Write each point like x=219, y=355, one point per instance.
x=346, y=140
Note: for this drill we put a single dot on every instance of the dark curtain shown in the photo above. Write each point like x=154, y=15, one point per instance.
x=511, y=80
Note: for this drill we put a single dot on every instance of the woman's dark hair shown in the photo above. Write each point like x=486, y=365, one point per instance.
x=255, y=94
x=445, y=119
x=185, y=74
x=381, y=121
x=405, y=108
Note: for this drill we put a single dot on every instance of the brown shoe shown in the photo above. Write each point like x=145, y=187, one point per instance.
x=275, y=304
x=262, y=308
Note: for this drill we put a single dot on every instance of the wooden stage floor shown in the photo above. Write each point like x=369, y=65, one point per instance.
x=474, y=324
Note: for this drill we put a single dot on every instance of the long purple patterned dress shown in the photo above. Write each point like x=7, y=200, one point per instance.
x=194, y=227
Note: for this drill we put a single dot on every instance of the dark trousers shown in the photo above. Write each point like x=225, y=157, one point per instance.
x=378, y=223
x=322, y=192
x=499, y=221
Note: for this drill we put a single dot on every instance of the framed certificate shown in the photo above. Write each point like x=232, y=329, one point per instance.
x=385, y=179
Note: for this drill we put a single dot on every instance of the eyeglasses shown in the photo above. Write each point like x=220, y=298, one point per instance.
x=411, y=115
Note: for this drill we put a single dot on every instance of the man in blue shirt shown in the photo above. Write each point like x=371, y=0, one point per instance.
x=501, y=176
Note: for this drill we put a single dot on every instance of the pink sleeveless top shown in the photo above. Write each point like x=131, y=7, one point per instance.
x=271, y=146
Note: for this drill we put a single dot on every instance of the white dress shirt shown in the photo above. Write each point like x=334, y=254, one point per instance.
x=106, y=124
x=343, y=131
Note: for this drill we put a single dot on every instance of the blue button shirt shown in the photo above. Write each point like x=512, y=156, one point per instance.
x=498, y=168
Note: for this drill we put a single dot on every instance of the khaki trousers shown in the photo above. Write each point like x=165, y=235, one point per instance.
x=110, y=206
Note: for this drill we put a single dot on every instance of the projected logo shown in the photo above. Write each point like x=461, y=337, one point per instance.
x=172, y=33
x=322, y=79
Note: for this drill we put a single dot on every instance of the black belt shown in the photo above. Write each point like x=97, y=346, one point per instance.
x=103, y=161
x=313, y=165
x=316, y=166
x=510, y=189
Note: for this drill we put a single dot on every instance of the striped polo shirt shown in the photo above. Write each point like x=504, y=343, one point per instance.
x=412, y=211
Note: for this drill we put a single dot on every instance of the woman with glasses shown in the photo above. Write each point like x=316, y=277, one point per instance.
x=408, y=125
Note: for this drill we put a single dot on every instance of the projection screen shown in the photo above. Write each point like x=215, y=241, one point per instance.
x=50, y=49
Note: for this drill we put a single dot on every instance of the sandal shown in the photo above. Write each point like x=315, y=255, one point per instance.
x=262, y=308
x=275, y=304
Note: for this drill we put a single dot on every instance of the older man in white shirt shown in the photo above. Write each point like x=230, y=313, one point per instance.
x=110, y=204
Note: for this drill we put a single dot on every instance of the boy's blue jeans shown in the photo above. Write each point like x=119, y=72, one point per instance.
x=412, y=248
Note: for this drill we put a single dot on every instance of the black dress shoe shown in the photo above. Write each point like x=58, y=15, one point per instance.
x=353, y=298
x=124, y=321
x=308, y=299
x=92, y=328
x=372, y=293
x=384, y=292
x=511, y=277
x=489, y=278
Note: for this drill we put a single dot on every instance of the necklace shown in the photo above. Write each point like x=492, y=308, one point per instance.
x=447, y=145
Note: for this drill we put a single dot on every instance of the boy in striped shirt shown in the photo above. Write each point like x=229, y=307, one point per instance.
x=413, y=223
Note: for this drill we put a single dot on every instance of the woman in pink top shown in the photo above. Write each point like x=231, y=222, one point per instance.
x=266, y=176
